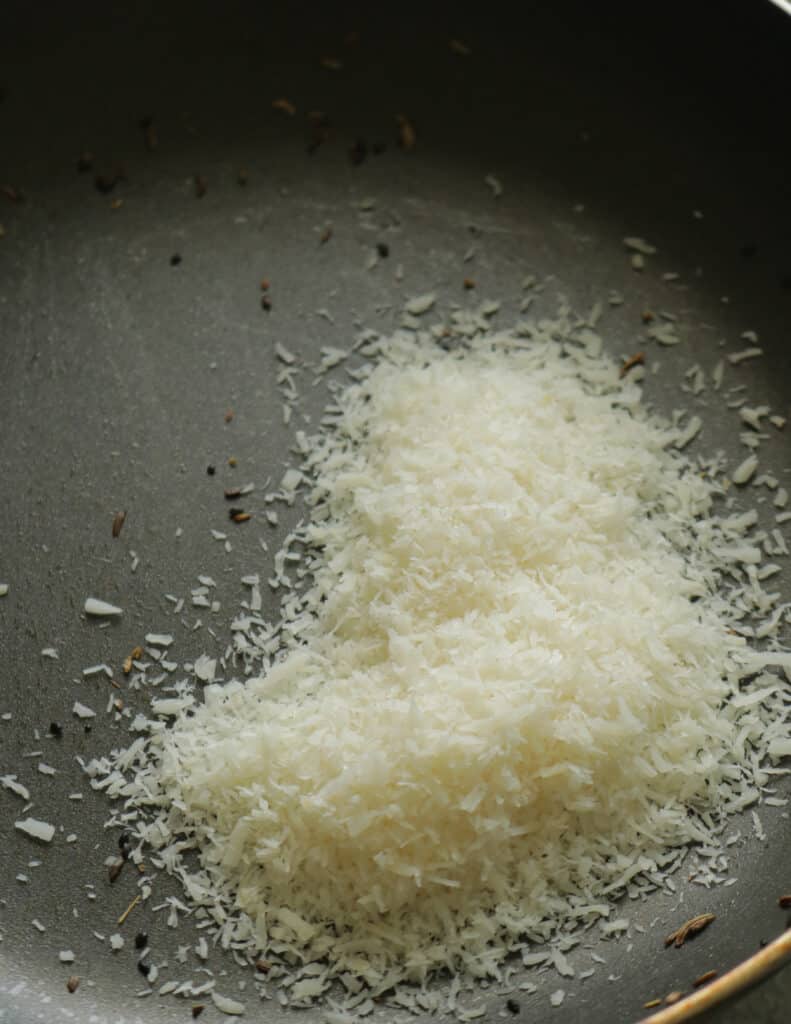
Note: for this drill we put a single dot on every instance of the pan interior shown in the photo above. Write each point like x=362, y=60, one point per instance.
x=118, y=361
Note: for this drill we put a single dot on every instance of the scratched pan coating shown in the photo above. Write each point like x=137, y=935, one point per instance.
x=118, y=362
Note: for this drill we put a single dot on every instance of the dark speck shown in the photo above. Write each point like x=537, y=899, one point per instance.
x=56, y=730
x=211, y=470
x=175, y=259
x=383, y=249
x=319, y=132
x=512, y=1006
x=105, y=183
x=144, y=968
x=125, y=843
x=358, y=152
x=141, y=940
x=149, y=133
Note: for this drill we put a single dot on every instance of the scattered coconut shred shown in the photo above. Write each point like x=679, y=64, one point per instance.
x=512, y=682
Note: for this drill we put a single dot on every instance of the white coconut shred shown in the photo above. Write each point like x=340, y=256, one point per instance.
x=512, y=681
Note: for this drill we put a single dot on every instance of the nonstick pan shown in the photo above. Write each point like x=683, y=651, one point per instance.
x=149, y=184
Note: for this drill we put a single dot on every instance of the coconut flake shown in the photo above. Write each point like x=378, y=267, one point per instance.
x=227, y=1005
x=10, y=782
x=639, y=245
x=95, y=670
x=420, y=305
x=745, y=470
x=284, y=355
x=36, y=829
x=689, y=432
x=494, y=184
x=93, y=606
x=204, y=668
x=734, y=358
x=159, y=639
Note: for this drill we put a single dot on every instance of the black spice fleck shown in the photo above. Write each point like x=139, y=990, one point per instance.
x=55, y=729
x=105, y=183
x=144, y=968
x=383, y=249
x=12, y=193
x=512, y=1006
x=319, y=131
x=149, y=133
x=211, y=470
x=175, y=259
x=141, y=940
x=118, y=523
x=358, y=152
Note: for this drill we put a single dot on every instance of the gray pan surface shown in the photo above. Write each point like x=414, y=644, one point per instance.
x=116, y=367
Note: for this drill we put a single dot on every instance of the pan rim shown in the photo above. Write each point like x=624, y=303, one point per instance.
x=733, y=983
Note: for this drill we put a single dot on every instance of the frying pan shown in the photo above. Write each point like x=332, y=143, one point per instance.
x=118, y=362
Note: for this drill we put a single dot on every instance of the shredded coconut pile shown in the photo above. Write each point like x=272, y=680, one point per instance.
x=513, y=682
